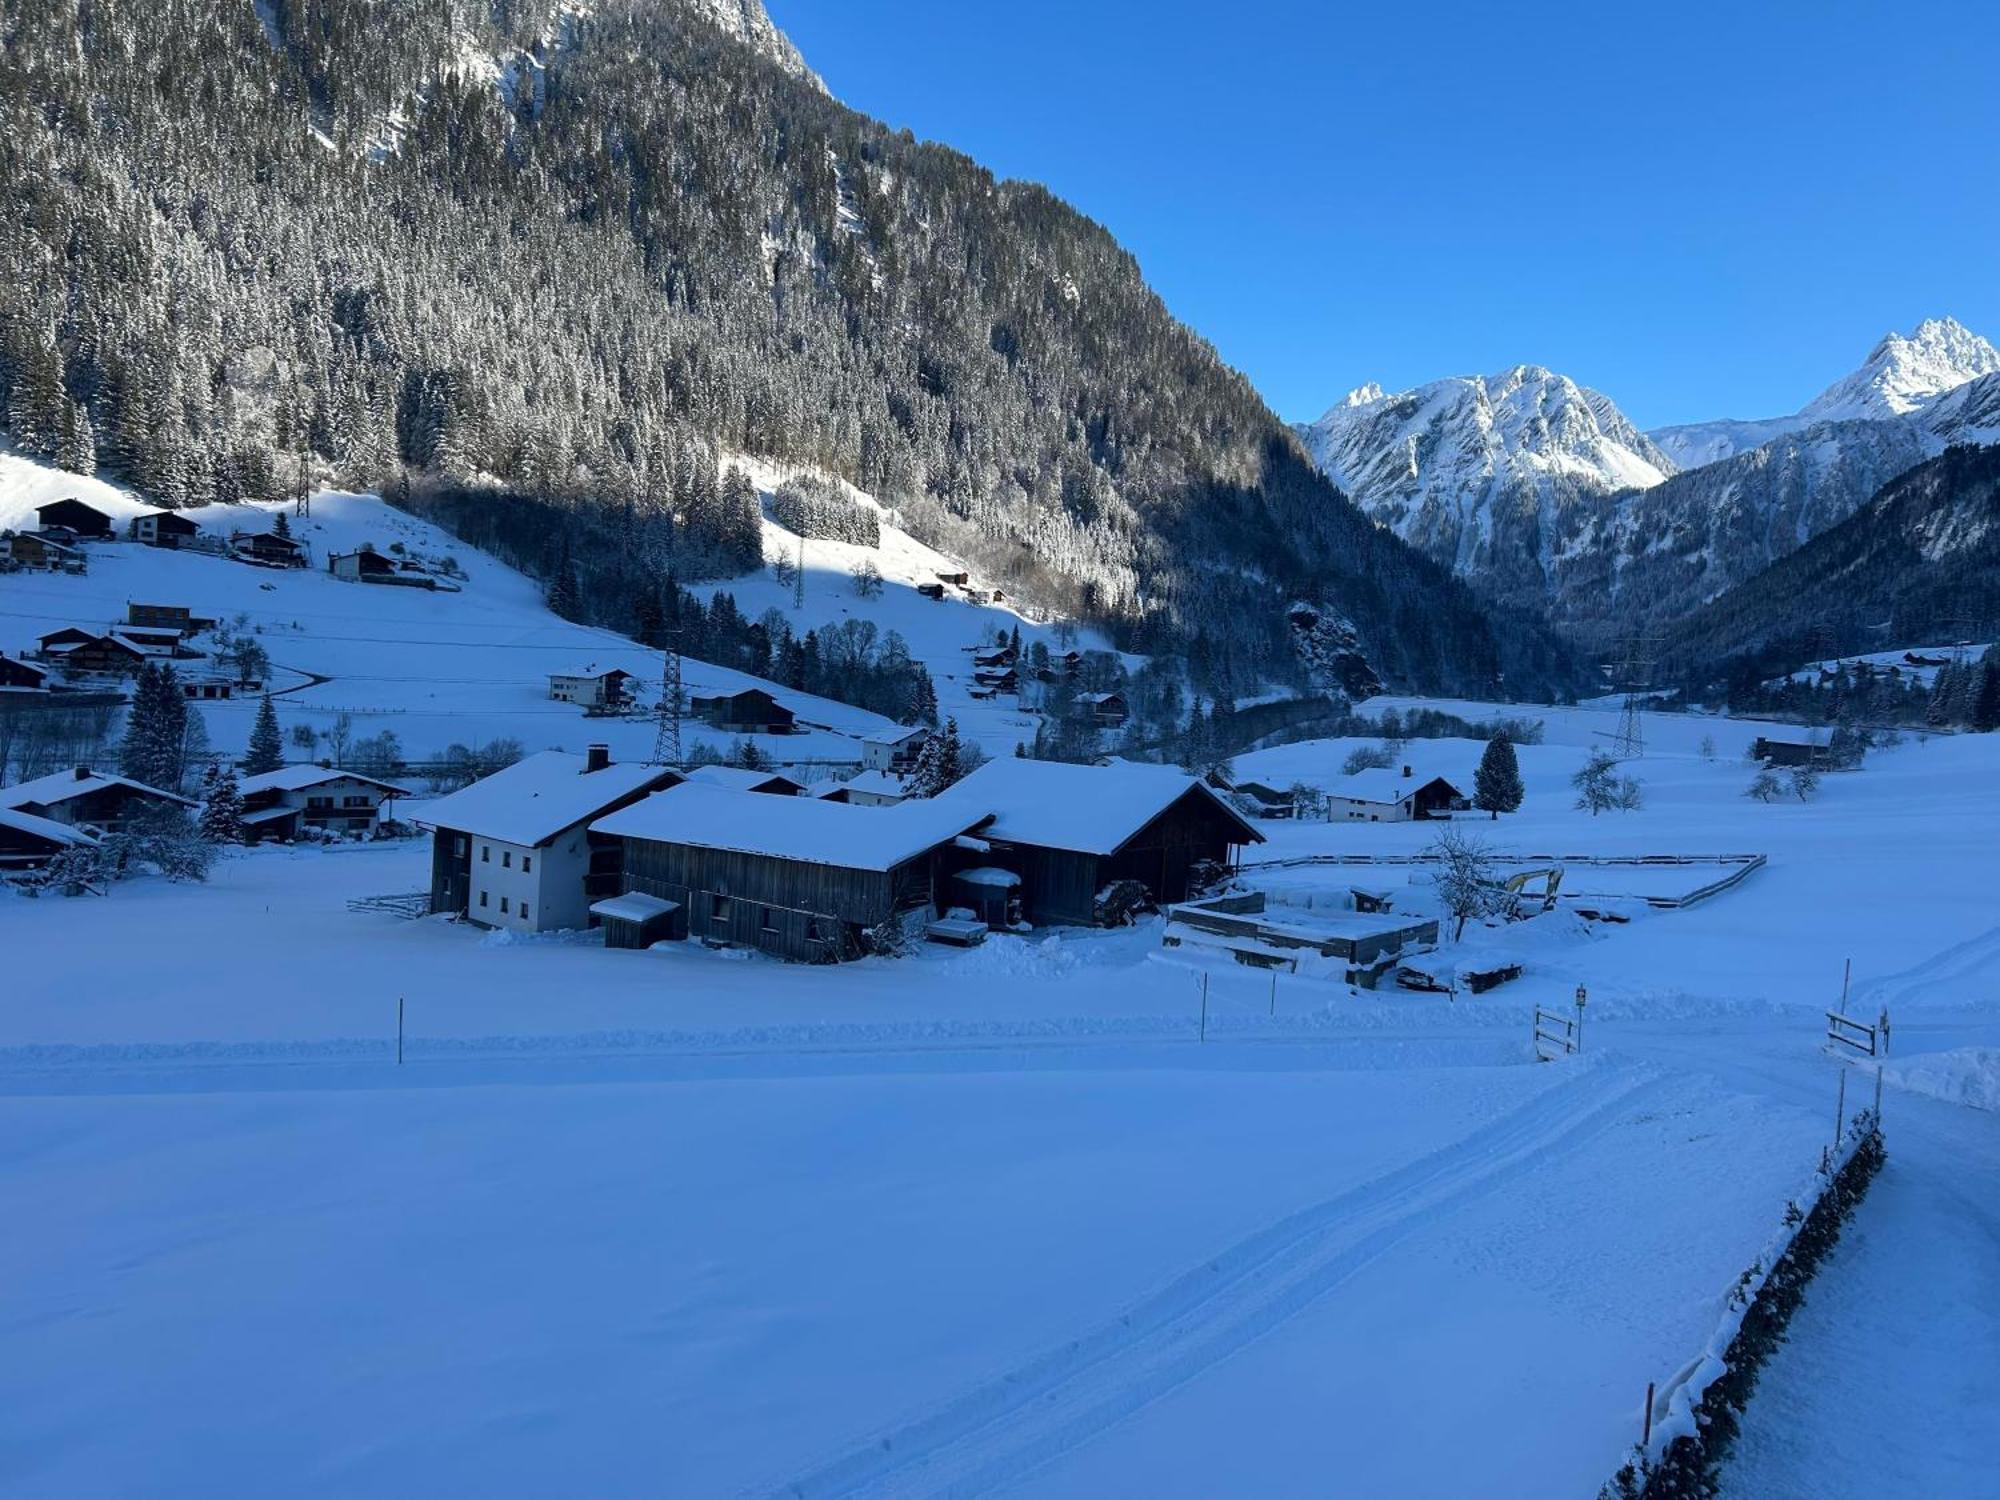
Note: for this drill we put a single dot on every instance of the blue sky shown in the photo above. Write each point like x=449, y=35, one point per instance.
x=1703, y=211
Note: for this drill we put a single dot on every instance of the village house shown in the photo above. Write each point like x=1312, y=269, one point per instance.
x=894, y=749
x=162, y=528
x=869, y=789
x=28, y=549
x=267, y=549
x=993, y=656
x=28, y=842
x=515, y=851
x=83, y=798
x=932, y=591
x=1772, y=752
x=592, y=689
x=799, y=878
x=1387, y=795
x=364, y=566
x=1107, y=710
x=1069, y=831
x=958, y=580
x=1267, y=801
x=22, y=676
x=85, y=521
x=176, y=617
x=751, y=711
x=738, y=779
x=111, y=655
x=280, y=804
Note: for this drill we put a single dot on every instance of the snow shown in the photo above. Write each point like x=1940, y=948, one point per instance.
x=298, y=778
x=799, y=828
x=1087, y=809
x=63, y=786
x=47, y=828
x=533, y=800
x=1968, y=1076
x=732, y=778
x=634, y=906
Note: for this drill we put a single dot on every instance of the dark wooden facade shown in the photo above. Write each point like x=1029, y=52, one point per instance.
x=752, y=711
x=84, y=520
x=451, y=870
x=789, y=908
x=20, y=674
x=1787, y=753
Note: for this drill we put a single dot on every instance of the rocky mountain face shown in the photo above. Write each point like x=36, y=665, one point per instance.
x=1903, y=374
x=749, y=23
x=1497, y=477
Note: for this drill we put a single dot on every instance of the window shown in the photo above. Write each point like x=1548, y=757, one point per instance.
x=319, y=802
x=462, y=846
x=356, y=802
x=482, y=898
x=527, y=864
x=718, y=908
x=485, y=853
x=524, y=911
x=503, y=906
x=506, y=859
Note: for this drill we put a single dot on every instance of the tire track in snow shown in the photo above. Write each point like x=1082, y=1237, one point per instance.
x=1009, y=1426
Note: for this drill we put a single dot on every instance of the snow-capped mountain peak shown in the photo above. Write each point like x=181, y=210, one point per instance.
x=1905, y=372
x=747, y=21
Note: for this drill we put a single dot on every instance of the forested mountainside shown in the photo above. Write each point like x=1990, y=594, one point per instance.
x=569, y=257
x=1920, y=563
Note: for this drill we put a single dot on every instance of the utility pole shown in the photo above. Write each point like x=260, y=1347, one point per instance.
x=1628, y=742
x=667, y=745
x=799, y=577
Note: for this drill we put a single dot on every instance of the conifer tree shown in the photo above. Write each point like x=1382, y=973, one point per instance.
x=267, y=745
x=940, y=764
x=154, y=748
x=221, y=808
x=1497, y=783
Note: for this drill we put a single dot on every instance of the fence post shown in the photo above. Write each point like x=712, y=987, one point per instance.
x=1878, y=1098
x=1646, y=1442
x=1582, y=996
x=1204, y=1007
x=1840, y=1107
x=399, y=1031
x=1883, y=1022
x=1274, y=993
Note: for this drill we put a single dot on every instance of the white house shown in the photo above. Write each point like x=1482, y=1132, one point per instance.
x=893, y=749
x=591, y=689
x=869, y=789
x=515, y=851
x=278, y=804
x=1392, y=795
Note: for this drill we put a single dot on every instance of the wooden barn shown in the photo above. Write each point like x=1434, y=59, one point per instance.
x=1772, y=752
x=28, y=841
x=1070, y=831
x=22, y=676
x=30, y=550
x=83, y=798
x=167, y=617
x=752, y=711
x=268, y=549
x=73, y=515
x=796, y=877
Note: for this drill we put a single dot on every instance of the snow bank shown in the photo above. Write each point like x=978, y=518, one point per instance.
x=1968, y=1075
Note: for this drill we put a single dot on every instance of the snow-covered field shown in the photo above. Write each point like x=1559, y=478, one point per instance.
x=1000, y=1221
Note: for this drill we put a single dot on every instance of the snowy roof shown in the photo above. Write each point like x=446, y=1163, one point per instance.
x=298, y=778
x=25, y=665
x=736, y=779
x=268, y=815
x=535, y=799
x=796, y=828
x=1085, y=809
x=61, y=786
x=633, y=906
x=877, y=783
x=1386, y=785
x=593, y=674
x=47, y=828
x=991, y=875
x=895, y=736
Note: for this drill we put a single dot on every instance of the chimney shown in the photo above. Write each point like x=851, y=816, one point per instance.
x=596, y=758
x=1406, y=770
x=83, y=773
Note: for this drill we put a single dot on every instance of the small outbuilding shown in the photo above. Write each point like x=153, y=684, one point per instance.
x=22, y=676
x=1774, y=752
x=738, y=779
x=28, y=841
x=869, y=789
x=750, y=711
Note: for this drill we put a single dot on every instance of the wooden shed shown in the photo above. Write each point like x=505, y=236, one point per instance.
x=84, y=520
x=752, y=711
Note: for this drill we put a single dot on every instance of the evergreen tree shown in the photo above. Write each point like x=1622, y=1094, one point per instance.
x=941, y=764
x=1497, y=783
x=281, y=525
x=267, y=745
x=221, y=808
x=154, y=748
x=1986, y=704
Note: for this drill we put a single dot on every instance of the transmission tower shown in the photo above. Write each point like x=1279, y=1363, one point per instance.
x=1628, y=741
x=667, y=744
x=799, y=577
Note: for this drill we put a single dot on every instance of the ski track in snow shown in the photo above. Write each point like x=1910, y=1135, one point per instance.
x=1000, y=1432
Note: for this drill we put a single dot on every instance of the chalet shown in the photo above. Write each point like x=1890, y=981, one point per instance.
x=85, y=520
x=30, y=549
x=799, y=878
x=752, y=711
x=112, y=655
x=365, y=566
x=22, y=676
x=997, y=679
x=869, y=789
x=1267, y=801
x=894, y=749
x=592, y=689
x=1921, y=659
x=267, y=549
x=934, y=591
x=957, y=580
x=280, y=804
x=993, y=656
x=58, y=642
x=1772, y=752
x=1384, y=795
x=737, y=779
x=1070, y=831
x=157, y=642
x=27, y=841
x=83, y=798
x=214, y=689
x=166, y=617
x=162, y=528
x=515, y=850
x=1107, y=710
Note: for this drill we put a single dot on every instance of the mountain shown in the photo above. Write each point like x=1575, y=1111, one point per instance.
x=1920, y=562
x=342, y=236
x=1494, y=476
x=1902, y=374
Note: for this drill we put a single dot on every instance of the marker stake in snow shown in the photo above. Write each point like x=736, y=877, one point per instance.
x=1840, y=1107
x=399, y=1031
x=1204, y=1008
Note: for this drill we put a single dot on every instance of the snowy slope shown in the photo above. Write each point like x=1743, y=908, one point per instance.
x=1903, y=373
x=1487, y=474
x=437, y=668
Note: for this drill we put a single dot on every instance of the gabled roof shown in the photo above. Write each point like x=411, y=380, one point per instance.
x=298, y=778
x=1083, y=809
x=61, y=786
x=594, y=674
x=167, y=518
x=901, y=735
x=535, y=799
x=804, y=829
x=26, y=666
x=1385, y=785
x=880, y=783
x=737, y=779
